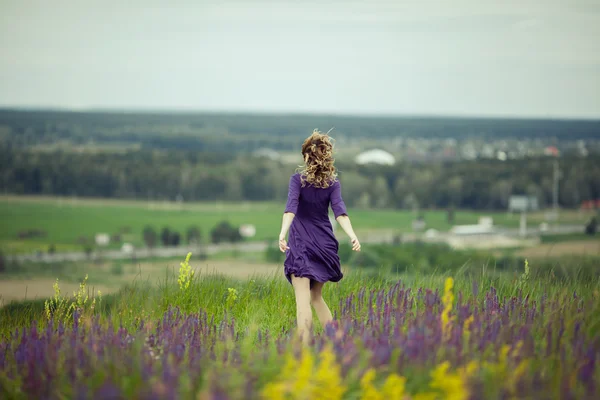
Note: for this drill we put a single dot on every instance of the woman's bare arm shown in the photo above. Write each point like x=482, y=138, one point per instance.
x=346, y=225
x=286, y=222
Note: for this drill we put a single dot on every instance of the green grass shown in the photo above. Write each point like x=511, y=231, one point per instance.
x=570, y=237
x=65, y=221
x=268, y=300
x=265, y=305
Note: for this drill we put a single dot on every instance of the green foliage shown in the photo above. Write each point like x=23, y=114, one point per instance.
x=61, y=308
x=150, y=236
x=273, y=254
x=165, y=236
x=194, y=235
x=225, y=232
x=480, y=184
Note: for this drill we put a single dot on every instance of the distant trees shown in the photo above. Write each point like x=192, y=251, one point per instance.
x=194, y=235
x=150, y=237
x=225, y=232
x=147, y=175
x=165, y=236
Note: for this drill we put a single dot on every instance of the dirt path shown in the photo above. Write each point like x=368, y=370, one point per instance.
x=31, y=289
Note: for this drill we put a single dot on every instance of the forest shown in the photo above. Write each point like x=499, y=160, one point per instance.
x=208, y=176
x=228, y=132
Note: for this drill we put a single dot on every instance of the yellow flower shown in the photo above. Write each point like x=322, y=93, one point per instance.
x=453, y=385
x=447, y=301
x=393, y=387
x=299, y=379
x=369, y=391
x=328, y=380
x=185, y=273
x=425, y=396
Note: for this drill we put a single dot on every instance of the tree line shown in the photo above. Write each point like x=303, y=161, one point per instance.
x=247, y=132
x=194, y=176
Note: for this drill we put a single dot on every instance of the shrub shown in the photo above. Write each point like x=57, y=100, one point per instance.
x=193, y=235
x=165, y=236
x=174, y=239
x=150, y=237
x=225, y=232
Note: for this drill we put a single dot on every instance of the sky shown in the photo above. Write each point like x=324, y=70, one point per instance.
x=447, y=57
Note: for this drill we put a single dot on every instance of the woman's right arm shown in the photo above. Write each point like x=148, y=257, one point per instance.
x=346, y=225
x=341, y=215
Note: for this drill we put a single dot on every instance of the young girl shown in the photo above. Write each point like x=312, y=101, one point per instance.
x=312, y=255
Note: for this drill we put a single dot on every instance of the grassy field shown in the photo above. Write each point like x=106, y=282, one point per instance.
x=482, y=335
x=66, y=220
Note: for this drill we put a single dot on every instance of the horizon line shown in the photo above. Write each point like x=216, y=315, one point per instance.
x=350, y=114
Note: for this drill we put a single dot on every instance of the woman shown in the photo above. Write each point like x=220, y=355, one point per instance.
x=312, y=255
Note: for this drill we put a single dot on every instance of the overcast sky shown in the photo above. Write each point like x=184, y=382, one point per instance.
x=445, y=57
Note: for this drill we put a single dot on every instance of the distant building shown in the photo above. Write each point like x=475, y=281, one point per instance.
x=522, y=203
x=375, y=156
x=267, y=153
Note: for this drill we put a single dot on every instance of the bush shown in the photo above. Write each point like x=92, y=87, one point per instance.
x=193, y=235
x=165, y=236
x=150, y=237
x=174, y=239
x=225, y=232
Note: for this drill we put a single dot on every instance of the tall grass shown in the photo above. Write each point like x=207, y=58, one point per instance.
x=487, y=334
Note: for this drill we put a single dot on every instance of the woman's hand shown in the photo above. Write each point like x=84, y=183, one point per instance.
x=283, y=244
x=355, y=244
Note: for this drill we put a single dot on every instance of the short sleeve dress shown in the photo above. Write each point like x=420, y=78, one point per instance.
x=313, y=247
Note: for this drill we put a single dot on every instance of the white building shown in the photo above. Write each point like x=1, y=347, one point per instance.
x=375, y=156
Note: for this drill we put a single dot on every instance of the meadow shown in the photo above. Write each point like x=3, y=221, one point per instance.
x=443, y=335
x=62, y=220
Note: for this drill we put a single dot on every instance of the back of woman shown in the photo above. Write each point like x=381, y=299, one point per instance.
x=312, y=254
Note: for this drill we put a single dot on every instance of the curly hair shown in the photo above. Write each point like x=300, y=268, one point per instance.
x=318, y=169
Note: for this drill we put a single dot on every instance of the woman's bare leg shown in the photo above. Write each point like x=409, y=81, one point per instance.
x=317, y=301
x=303, y=311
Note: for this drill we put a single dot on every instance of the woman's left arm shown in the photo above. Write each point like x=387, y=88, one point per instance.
x=285, y=226
x=290, y=211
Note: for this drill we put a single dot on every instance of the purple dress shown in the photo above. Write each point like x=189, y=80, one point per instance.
x=313, y=248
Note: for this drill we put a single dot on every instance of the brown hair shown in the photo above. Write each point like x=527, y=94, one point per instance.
x=318, y=169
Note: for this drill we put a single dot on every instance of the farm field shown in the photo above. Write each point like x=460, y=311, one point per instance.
x=66, y=220
x=407, y=336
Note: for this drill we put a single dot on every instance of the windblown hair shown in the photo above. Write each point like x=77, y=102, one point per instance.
x=318, y=169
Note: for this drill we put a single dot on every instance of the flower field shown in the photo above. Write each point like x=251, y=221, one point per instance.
x=208, y=337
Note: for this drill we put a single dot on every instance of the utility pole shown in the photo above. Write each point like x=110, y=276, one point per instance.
x=555, y=189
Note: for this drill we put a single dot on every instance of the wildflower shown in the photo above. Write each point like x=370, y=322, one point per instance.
x=467, y=328
x=453, y=385
x=447, y=301
x=185, y=273
x=369, y=391
x=525, y=275
x=300, y=380
x=393, y=387
x=329, y=377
